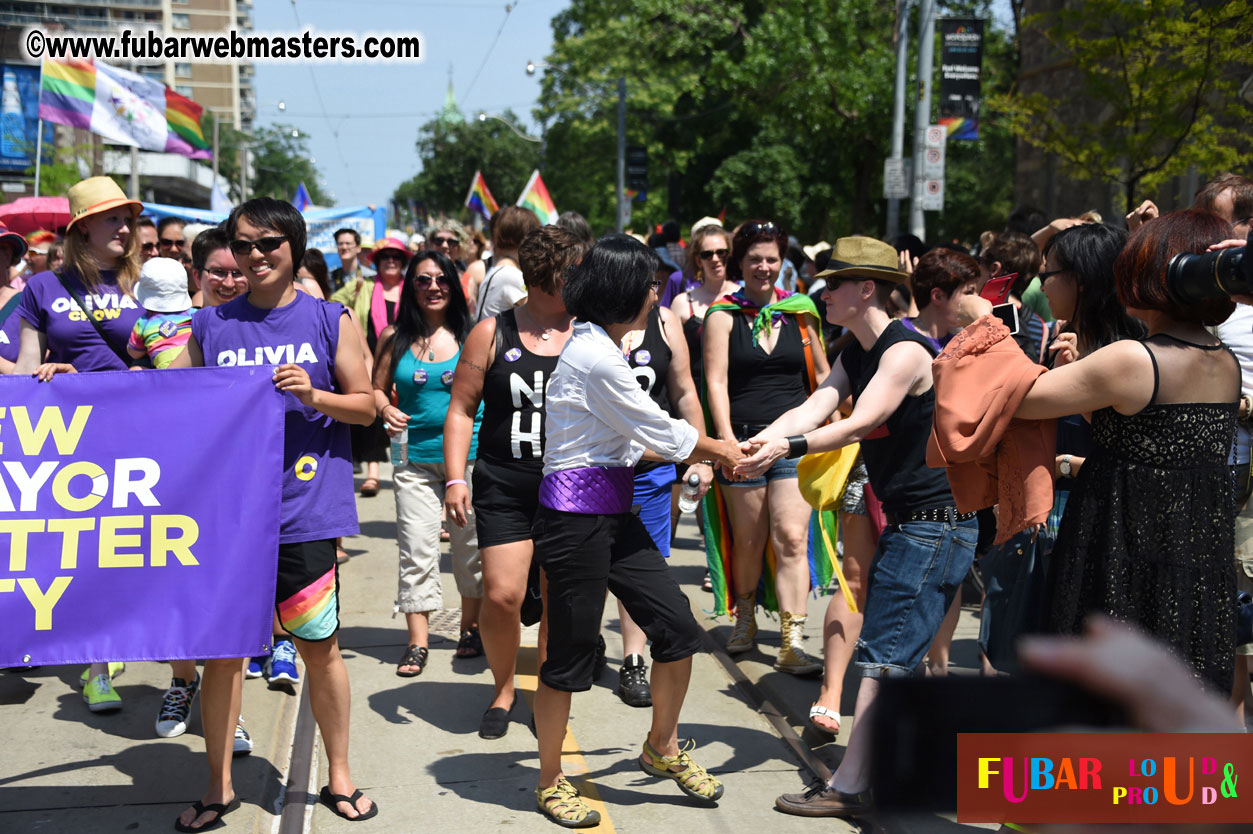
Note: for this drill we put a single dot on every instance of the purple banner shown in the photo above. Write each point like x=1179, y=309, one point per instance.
x=139, y=515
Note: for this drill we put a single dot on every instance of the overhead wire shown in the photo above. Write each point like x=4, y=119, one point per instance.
x=509, y=7
x=322, y=104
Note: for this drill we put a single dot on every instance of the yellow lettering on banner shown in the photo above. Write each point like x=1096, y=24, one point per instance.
x=61, y=486
x=178, y=546
x=111, y=540
x=51, y=421
x=7, y=586
x=42, y=602
x=69, y=528
x=18, y=530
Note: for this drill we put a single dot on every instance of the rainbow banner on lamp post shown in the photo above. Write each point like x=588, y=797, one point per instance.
x=139, y=515
x=122, y=107
x=480, y=199
x=535, y=197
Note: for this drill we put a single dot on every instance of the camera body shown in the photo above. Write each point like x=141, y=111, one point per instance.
x=1191, y=278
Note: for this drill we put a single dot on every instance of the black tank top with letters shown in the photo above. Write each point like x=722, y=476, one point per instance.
x=512, y=429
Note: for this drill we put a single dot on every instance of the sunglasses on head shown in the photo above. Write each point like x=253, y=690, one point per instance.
x=445, y=241
x=708, y=254
x=265, y=245
x=766, y=228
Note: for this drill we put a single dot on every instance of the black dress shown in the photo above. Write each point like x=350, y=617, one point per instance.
x=1148, y=535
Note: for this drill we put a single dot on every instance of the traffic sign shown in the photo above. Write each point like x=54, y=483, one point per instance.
x=895, y=178
x=933, y=195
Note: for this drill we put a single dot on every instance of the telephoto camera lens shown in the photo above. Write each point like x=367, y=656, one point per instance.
x=1192, y=279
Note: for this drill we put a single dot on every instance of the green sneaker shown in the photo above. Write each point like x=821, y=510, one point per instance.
x=116, y=667
x=101, y=696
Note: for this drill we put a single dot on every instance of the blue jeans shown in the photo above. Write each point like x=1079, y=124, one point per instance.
x=917, y=569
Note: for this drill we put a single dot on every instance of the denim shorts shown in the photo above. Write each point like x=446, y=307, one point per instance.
x=781, y=468
x=917, y=569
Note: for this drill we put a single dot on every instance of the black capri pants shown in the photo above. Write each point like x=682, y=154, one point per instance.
x=582, y=555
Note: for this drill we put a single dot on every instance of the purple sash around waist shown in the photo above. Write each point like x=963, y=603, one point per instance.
x=589, y=490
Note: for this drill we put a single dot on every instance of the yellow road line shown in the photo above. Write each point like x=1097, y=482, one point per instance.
x=573, y=764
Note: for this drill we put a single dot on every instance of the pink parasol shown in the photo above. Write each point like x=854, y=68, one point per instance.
x=27, y=214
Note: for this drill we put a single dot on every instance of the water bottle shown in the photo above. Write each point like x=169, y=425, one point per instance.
x=687, y=496
x=400, y=448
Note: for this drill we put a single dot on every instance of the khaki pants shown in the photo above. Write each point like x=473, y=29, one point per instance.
x=419, y=490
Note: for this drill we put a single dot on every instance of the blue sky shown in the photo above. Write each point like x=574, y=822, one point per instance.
x=366, y=146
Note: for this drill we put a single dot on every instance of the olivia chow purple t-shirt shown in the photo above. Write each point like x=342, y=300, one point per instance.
x=318, y=501
x=71, y=337
x=10, y=330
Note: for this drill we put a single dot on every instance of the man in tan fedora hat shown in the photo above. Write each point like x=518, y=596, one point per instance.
x=928, y=546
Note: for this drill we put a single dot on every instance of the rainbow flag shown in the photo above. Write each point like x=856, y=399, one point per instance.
x=535, y=197
x=480, y=199
x=122, y=107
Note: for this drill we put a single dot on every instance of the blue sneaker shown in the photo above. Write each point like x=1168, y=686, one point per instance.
x=256, y=667
x=280, y=667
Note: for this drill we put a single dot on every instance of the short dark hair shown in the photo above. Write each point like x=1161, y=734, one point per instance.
x=206, y=243
x=906, y=242
x=548, y=252
x=577, y=225
x=1088, y=252
x=510, y=225
x=942, y=269
x=282, y=217
x=1016, y=252
x=751, y=232
x=1025, y=219
x=167, y=222
x=145, y=220
x=611, y=283
x=356, y=236
x=1241, y=194
x=1140, y=271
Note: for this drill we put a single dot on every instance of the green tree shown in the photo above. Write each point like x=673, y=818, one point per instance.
x=279, y=158
x=452, y=149
x=1160, y=81
x=775, y=109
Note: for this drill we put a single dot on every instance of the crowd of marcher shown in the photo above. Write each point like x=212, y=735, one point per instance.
x=1039, y=411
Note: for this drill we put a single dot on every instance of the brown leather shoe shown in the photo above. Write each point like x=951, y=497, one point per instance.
x=822, y=801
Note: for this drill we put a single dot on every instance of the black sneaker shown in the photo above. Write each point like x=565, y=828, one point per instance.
x=633, y=683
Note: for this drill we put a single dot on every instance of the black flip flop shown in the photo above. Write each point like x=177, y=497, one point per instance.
x=200, y=808
x=332, y=800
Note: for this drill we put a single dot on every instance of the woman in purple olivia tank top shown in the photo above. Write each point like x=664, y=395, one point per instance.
x=319, y=365
x=598, y=424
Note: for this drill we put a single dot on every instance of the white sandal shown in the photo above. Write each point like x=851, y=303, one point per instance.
x=818, y=711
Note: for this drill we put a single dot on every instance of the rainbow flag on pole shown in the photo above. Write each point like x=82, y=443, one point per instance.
x=122, y=107
x=480, y=199
x=535, y=197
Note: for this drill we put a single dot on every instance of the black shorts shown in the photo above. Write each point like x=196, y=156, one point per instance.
x=582, y=556
x=505, y=498
x=306, y=595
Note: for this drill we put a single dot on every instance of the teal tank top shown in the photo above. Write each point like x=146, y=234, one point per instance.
x=424, y=392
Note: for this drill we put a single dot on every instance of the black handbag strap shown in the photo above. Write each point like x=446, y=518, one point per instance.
x=78, y=299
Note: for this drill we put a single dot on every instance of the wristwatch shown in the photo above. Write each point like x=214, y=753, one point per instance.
x=1064, y=467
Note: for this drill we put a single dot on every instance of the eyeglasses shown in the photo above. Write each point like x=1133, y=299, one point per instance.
x=427, y=280
x=445, y=241
x=1045, y=275
x=223, y=274
x=265, y=245
x=169, y=244
x=708, y=254
x=389, y=255
x=655, y=286
x=148, y=247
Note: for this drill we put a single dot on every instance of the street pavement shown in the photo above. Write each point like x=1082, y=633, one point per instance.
x=415, y=747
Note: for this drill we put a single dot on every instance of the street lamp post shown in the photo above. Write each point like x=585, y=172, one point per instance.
x=621, y=206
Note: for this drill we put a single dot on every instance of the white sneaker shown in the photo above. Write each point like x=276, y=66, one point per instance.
x=176, y=707
x=243, y=741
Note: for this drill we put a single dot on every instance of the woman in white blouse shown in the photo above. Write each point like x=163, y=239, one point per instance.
x=599, y=423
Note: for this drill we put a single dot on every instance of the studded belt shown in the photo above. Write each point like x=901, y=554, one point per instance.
x=948, y=514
